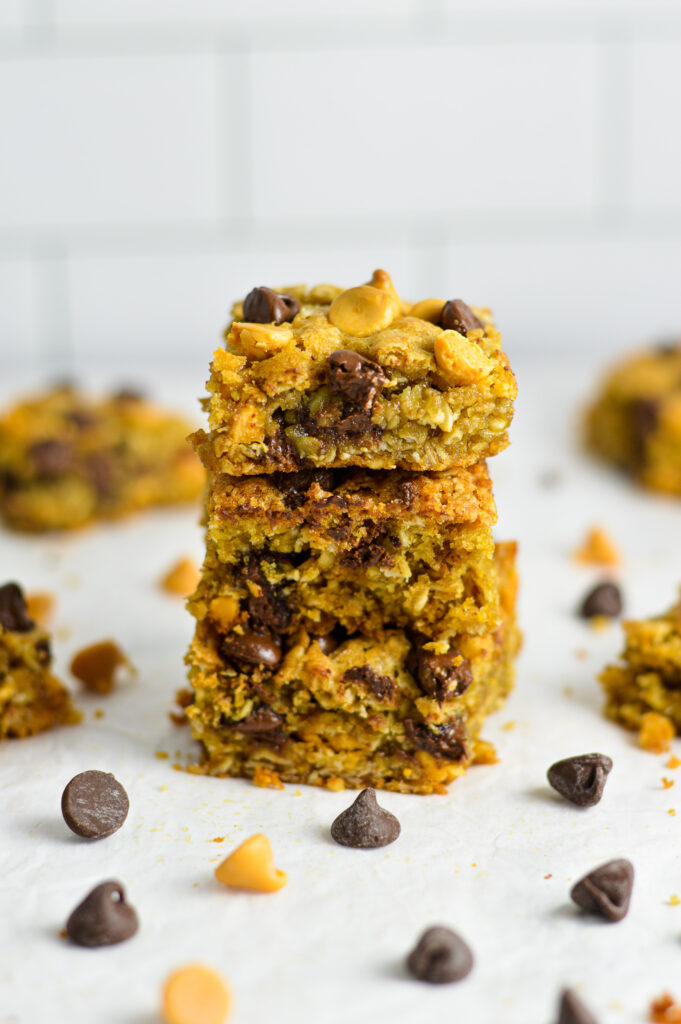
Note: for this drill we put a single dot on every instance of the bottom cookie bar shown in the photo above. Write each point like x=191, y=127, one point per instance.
x=377, y=711
x=648, y=676
x=31, y=698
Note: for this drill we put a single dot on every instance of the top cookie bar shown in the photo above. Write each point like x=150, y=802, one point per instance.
x=332, y=378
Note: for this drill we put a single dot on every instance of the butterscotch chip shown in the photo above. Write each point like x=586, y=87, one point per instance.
x=459, y=360
x=195, y=995
x=40, y=606
x=597, y=549
x=656, y=732
x=182, y=579
x=95, y=666
x=251, y=866
x=664, y=1010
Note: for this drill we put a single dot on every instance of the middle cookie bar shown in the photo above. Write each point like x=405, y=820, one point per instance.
x=341, y=552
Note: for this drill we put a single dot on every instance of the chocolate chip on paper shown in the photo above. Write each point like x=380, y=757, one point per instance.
x=581, y=779
x=572, y=1010
x=440, y=956
x=103, y=918
x=94, y=804
x=606, y=890
x=605, y=599
x=357, y=379
x=365, y=825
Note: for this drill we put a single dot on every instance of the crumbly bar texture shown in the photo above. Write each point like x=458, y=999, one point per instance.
x=648, y=675
x=380, y=711
x=329, y=378
x=635, y=422
x=350, y=549
x=67, y=459
x=32, y=699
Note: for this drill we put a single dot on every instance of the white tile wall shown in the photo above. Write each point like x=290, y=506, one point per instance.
x=159, y=157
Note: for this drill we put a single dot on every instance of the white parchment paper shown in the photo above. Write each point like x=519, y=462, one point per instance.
x=493, y=859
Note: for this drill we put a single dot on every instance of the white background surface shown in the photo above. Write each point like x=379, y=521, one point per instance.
x=330, y=946
x=162, y=156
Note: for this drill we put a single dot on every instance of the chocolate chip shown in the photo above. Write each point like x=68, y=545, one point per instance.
x=604, y=599
x=365, y=825
x=457, y=316
x=261, y=719
x=668, y=347
x=328, y=642
x=51, y=458
x=441, y=676
x=13, y=613
x=440, y=956
x=103, y=918
x=99, y=468
x=644, y=414
x=253, y=649
x=266, y=608
x=43, y=651
x=366, y=554
x=294, y=486
x=581, y=779
x=81, y=419
x=128, y=394
x=356, y=378
x=572, y=1009
x=356, y=423
x=606, y=890
x=383, y=687
x=265, y=306
x=442, y=741
x=94, y=804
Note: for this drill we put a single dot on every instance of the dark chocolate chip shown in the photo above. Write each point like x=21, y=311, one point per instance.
x=604, y=599
x=366, y=554
x=265, y=306
x=457, y=316
x=266, y=608
x=356, y=423
x=253, y=648
x=81, y=418
x=365, y=825
x=356, y=378
x=103, y=918
x=51, y=458
x=43, y=651
x=441, y=676
x=94, y=804
x=327, y=643
x=644, y=414
x=99, y=468
x=440, y=956
x=606, y=890
x=261, y=719
x=383, y=687
x=442, y=741
x=294, y=486
x=128, y=394
x=572, y=1009
x=13, y=613
x=668, y=347
x=581, y=779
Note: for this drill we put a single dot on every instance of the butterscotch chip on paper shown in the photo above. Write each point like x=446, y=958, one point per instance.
x=40, y=606
x=251, y=866
x=597, y=549
x=95, y=666
x=195, y=995
x=664, y=1010
x=182, y=579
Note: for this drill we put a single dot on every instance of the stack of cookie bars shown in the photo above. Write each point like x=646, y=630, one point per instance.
x=355, y=621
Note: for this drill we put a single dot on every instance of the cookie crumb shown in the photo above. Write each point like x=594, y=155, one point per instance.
x=182, y=579
x=674, y=900
x=656, y=732
x=162, y=755
x=95, y=666
x=597, y=549
x=672, y=812
x=509, y=726
x=673, y=762
x=664, y=1010
x=40, y=606
x=335, y=784
x=667, y=783
x=485, y=753
x=267, y=779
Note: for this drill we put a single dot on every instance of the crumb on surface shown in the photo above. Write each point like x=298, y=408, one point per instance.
x=656, y=732
x=548, y=876
x=485, y=752
x=335, y=784
x=581, y=654
x=672, y=811
x=162, y=755
x=40, y=606
x=597, y=549
x=509, y=726
x=664, y=1010
x=99, y=713
x=673, y=762
x=95, y=666
x=674, y=900
x=218, y=839
x=182, y=578
x=667, y=783
x=267, y=779
x=599, y=623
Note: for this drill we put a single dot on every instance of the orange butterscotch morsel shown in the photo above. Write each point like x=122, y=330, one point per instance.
x=597, y=549
x=195, y=995
x=251, y=866
x=258, y=341
x=224, y=611
x=364, y=310
x=95, y=666
x=428, y=309
x=459, y=360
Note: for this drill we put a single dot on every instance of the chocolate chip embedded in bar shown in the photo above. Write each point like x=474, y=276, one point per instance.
x=440, y=956
x=581, y=779
x=441, y=676
x=457, y=316
x=13, y=611
x=606, y=890
x=252, y=648
x=383, y=688
x=445, y=740
x=365, y=825
x=357, y=379
x=265, y=306
x=51, y=458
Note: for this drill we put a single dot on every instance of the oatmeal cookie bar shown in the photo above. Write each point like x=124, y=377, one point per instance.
x=331, y=378
x=350, y=549
x=383, y=710
x=636, y=420
x=648, y=675
x=31, y=698
x=67, y=459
